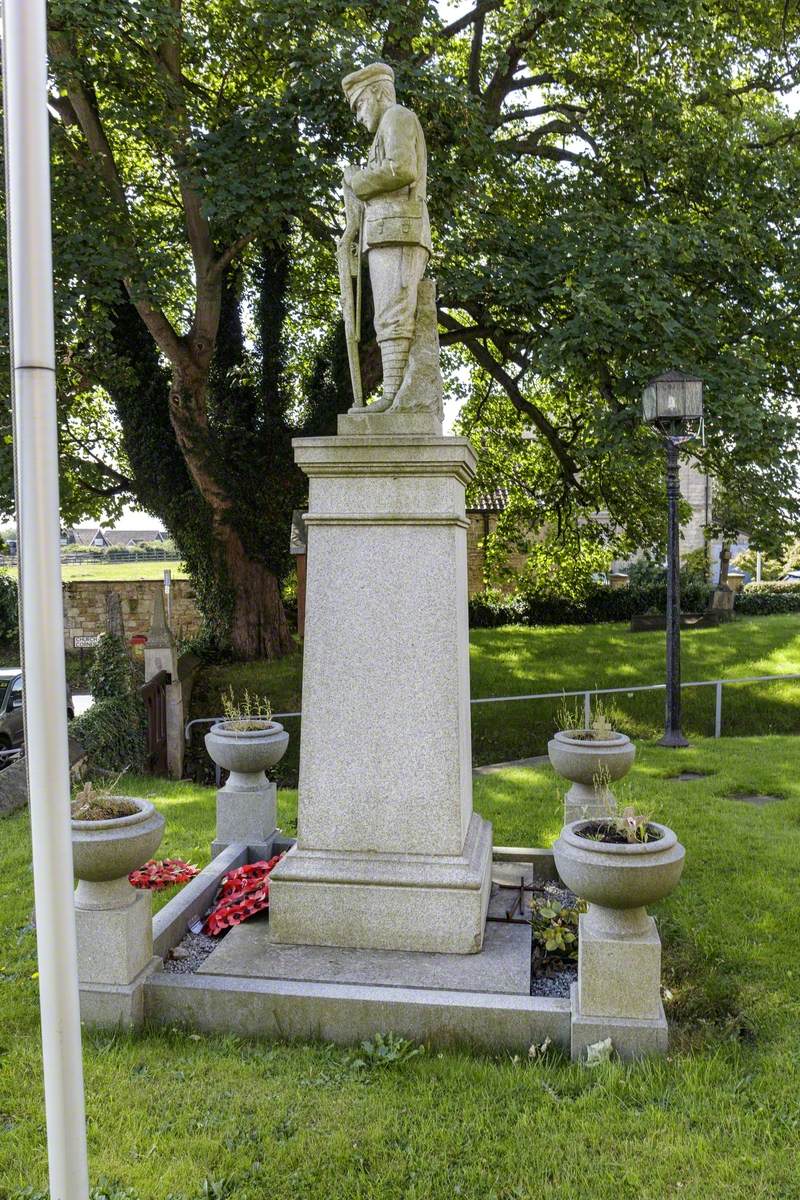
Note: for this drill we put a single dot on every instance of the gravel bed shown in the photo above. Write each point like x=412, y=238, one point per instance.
x=192, y=952
x=558, y=983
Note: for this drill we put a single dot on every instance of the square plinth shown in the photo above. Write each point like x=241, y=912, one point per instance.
x=114, y=944
x=620, y=976
x=413, y=902
x=246, y=815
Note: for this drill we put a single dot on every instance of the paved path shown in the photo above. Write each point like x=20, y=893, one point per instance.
x=538, y=760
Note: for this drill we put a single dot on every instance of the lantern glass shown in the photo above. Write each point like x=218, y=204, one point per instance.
x=649, y=403
x=673, y=397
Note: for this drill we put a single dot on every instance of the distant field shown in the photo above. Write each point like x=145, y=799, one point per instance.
x=70, y=572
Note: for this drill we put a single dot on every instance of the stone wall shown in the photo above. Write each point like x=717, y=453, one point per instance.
x=480, y=524
x=85, y=607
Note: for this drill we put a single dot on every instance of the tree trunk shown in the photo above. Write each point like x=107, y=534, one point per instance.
x=259, y=628
x=724, y=563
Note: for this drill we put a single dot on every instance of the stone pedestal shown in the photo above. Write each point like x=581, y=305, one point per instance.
x=618, y=994
x=389, y=853
x=245, y=814
x=115, y=950
x=582, y=803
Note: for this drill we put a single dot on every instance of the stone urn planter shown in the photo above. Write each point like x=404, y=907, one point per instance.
x=246, y=748
x=618, y=879
x=247, y=804
x=618, y=993
x=113, y=921
x=105, y=852
x=583, y=758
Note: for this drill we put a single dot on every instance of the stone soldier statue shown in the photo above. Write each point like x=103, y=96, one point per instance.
x=393, y=229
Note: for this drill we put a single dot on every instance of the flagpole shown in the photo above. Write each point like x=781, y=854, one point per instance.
x=38, y=524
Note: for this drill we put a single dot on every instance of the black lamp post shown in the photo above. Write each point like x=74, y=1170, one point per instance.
x=673, y=405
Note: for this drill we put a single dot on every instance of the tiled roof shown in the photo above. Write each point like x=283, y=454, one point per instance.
x=122, y=537
x=117, y=537
x=494, y=501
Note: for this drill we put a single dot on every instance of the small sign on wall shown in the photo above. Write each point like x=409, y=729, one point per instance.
x=82, y=640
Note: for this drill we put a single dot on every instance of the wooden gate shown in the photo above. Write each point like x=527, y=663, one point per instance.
x=154, y=695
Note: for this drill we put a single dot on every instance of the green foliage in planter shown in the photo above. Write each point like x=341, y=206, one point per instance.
x=113, y=731
x=555, y=927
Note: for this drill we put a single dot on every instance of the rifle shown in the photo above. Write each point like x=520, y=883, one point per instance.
x=348, y=257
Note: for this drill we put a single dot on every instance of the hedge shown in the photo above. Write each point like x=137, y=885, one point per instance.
x=9, y=610
x=601, y=605
x=113, y=732
x=763, y=599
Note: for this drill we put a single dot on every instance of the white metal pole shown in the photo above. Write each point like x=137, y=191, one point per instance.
x=38, y=523
x=759, y=561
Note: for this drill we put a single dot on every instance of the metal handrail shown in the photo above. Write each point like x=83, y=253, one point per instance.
x=587, y=694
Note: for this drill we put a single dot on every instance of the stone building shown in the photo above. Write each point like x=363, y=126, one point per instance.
x=696, y=487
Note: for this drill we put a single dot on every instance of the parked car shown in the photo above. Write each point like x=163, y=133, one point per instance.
x=790, y=577
x=12, y=734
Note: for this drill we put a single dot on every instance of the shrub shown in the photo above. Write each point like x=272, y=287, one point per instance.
x=113, y=731
x=9, y=610
x=764, y=599
x=772, y=587
x=112, y=671
x=603, y=604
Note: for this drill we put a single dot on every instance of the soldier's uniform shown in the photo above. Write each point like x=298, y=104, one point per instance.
x=396, y=230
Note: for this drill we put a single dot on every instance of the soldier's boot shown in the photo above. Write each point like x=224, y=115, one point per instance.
x=394, y=356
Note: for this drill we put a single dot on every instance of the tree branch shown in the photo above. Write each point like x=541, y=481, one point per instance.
x=486, y=359
x=86, y=109
x=475, y=14
x=543, y=110
x=475, y=52
x=229, y=254
x=503, y=79
x=464, y=333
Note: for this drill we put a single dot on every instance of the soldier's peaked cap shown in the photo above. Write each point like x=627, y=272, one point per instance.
x=354, y=84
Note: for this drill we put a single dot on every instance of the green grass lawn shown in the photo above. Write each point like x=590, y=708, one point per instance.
x=70, y=572
x=174, y=1114
x=518, y=661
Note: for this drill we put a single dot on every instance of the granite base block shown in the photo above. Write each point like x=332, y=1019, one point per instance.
x=346, y=1014
x=109, y=1006
x=503, y=966
x=531, y=861
x=246, y=815
x=619, y=976
x=417, y=902
x=630, y=1038
x=114, y=944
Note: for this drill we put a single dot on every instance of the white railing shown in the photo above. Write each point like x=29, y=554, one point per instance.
x=587, y=694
